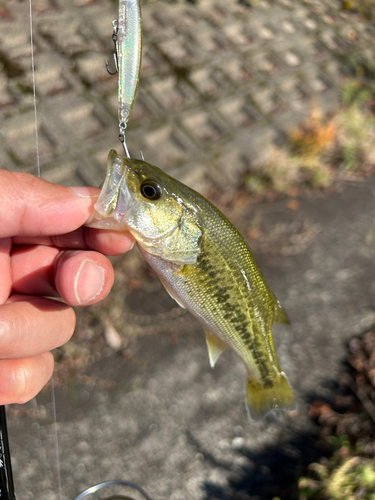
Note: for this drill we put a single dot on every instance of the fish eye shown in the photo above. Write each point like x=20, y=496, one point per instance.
x=151, y=190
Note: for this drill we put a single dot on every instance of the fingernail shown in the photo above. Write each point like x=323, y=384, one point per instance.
x=89, y=281
x=132, y=245
x=81, y=191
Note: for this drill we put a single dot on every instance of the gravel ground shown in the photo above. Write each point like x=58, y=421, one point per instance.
x=178, y=428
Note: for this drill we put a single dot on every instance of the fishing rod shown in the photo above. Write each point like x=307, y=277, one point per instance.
x=6, y=475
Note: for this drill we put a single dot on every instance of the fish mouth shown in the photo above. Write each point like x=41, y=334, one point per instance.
x=114, y=199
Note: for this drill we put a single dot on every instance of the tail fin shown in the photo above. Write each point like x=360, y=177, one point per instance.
x=260, y=400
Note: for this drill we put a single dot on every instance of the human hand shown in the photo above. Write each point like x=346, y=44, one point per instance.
x=45, y=252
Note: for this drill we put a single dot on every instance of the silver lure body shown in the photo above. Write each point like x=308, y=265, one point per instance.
x=129, y=56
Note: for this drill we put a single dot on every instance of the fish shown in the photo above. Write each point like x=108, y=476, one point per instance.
x=205, y=265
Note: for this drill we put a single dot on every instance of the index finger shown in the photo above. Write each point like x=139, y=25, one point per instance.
x=105, y=241
x=30, y=206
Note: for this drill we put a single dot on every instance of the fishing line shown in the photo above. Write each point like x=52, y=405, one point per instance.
x=92, y=491
x=34, y=92
x=56, y=438
x=39, y=175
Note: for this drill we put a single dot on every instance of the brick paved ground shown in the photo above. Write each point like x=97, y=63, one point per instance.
x=220, y=83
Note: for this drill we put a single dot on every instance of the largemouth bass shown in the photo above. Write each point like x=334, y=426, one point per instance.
x=205, y=265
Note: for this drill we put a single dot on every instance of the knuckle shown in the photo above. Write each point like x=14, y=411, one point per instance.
x=20, y=381
x=9, y=336
x=69, y=325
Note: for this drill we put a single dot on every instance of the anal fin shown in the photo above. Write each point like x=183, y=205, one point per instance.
x=215, y=347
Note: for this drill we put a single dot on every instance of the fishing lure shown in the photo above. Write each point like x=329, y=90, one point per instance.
x=127, y=37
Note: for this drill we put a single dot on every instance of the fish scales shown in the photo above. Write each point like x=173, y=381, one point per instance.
x=216, y=291
x=205, y=265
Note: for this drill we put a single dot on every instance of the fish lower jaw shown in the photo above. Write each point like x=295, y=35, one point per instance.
x=99, y=222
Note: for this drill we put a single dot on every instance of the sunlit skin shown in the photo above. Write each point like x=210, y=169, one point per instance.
x=45, y=252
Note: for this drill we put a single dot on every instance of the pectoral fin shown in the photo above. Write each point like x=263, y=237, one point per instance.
x=182, y=245
x=215, y=347
x=172, y=294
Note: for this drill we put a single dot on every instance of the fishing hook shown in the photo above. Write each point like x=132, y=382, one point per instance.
x=122, y=139
x=115, y=55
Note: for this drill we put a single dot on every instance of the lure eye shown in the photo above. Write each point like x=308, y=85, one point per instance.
x=151, y=190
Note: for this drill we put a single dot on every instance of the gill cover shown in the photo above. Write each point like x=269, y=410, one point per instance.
x=163, y=226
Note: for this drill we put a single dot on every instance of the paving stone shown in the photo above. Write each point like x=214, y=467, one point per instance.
x=50, y=75
x=15, y=43
x=59, y=173
x=267, y=33
x=265, y=63
x=177, y=51
x=101, y=22
x=247, y=67
x=238, y=34
x=204, y=127
x=92, y=68
x=256, y=143
x=6, y=97
x=151, y=24
x=288, y=26
x=198, y=176
x=171, y=145
x=171, y=93
x=206, y=81
x=237, y=111
x=67, y=34
x=143, y=110
x=232, y=163
x=152, y=63
x=294, y=93
x=237, y=70
x=19, y=139
x=215, y=12
x=268, y=100
x=81, y=118
x=209, y=41
x=292, y=58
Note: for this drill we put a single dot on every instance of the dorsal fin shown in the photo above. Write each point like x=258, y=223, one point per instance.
x=279, y=314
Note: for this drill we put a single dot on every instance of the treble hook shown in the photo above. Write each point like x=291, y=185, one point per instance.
x=122, y=139
x=115, y=55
